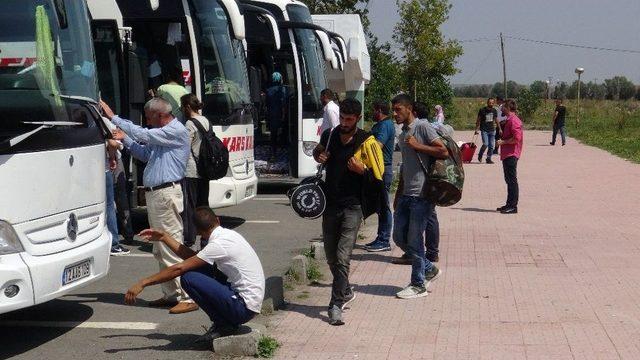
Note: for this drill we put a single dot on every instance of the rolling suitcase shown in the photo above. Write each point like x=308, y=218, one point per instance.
x=467, y=150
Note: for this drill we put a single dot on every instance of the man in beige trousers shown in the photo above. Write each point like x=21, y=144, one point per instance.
x=165, y=148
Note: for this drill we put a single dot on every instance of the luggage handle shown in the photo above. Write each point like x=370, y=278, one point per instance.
x=473, y=139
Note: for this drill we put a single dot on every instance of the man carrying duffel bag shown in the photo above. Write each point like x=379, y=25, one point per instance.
x=420, y=144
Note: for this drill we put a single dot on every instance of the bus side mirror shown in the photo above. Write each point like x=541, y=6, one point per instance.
x=326, y=45
x=236, y=18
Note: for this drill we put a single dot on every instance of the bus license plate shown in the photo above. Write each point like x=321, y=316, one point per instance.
x=248, y=192
x=76, y=272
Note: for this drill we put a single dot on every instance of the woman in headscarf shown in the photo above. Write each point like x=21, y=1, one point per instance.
x=439, y=117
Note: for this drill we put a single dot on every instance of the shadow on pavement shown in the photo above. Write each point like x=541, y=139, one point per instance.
x=310, y=311
x=106, y=297
x=476, y=210
x=372, y=256
x=174, y=342
x=18, y=338
x=230, y=222
x=380, y=290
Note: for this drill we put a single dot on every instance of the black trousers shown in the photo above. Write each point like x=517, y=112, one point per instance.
x=189, y=197
x=509, y=166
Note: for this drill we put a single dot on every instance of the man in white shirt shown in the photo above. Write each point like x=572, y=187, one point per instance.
x=331, y=112
x=225, y=278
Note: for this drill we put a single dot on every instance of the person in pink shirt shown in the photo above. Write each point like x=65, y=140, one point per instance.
x=510, y=150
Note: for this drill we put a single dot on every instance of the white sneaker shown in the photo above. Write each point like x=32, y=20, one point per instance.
x=412, y=292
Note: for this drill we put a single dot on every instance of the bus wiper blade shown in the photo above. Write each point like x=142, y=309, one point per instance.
x=9, y=143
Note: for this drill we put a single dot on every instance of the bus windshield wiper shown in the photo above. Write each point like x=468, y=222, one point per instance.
x=9, y=143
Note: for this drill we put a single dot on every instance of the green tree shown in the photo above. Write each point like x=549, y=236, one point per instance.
x=619, y=88
x=539, y=88
x=427, y=56
x=513, y=89
x=386, y=75
x=560, y=90
x=528, y=103
x=572, y=91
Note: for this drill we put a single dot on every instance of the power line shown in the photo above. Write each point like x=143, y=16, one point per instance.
x=574, y=45
x=477, y=40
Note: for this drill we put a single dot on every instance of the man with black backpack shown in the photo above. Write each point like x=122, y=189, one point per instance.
x=419, y=144
x=209, y=160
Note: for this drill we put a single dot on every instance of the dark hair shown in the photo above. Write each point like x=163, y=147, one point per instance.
x=491, y=98
x=174, y=74
x=421, y=109
x=350, y=106
x=382, y=106
x=511, y=104
x=560, y=99
x=328, y=93
x=402, y=99
x=192, y=101
x=204, y=218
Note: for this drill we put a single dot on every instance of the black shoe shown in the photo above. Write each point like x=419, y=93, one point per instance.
x=432, y=258
x=479, y=158
x=564, y=144
x=509, y=210
x=552, y=144
x=489, y=161
x=501, y=208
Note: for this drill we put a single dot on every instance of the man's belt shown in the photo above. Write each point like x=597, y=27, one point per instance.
x=161, y=186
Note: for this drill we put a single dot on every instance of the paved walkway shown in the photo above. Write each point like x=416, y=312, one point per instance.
x=559, y=280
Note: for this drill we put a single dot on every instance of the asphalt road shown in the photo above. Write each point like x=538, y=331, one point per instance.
x=94, y=323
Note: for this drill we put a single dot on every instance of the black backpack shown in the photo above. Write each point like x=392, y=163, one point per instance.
x=213, y=160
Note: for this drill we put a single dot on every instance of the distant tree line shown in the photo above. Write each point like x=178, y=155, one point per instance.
x=616, y=88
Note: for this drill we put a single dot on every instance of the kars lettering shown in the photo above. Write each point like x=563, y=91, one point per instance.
x=238, y=143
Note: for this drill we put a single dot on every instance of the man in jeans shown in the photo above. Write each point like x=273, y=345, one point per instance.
x=558, y=123
x=419, y=143
x=487, y=123
x=346, y=178
x=510, y=150
x=384, y=132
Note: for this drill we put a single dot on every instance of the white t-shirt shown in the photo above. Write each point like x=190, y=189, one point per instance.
x=233, y=255
x=330, y=117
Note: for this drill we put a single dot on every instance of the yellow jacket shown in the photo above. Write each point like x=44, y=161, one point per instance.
x=370, y=154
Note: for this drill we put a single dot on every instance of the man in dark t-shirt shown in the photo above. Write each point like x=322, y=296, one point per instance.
x=558, y=122
x=487, y=124
x=343, y=215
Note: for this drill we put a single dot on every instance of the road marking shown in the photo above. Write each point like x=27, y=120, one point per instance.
x=271, y=199
x=79, y=324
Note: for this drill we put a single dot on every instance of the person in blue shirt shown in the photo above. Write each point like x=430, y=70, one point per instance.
x=384, y=132
x=165, y=148
x=276, y=99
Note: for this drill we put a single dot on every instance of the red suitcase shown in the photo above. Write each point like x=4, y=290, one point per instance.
x=467, y=150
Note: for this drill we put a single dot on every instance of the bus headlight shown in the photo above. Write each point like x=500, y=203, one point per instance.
x=308, y=146
x=9, y=243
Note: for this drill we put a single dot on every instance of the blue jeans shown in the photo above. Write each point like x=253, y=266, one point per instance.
x=385, y=217
x=410, y=219
x=208, y=287
x=432, y=234
x=488, y=141
x=112, y=219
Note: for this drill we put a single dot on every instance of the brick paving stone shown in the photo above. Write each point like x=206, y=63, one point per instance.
x=559, y=280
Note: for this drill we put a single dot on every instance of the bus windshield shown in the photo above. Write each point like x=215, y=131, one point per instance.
x=46, y=56
x=225, y=82
x=312, y=64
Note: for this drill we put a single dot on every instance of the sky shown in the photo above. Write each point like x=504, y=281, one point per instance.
x=596, y=23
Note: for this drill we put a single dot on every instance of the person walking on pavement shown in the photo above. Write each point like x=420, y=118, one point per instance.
x=510, y=150
x=501, y=120
x=432, y=232
x=352, y=194
x=195, y=189
x=384, y=132
x=419, y=143
x=558, y=122
x=487, y=124
x=331, y=110
x=166, y=151
x=225, y=278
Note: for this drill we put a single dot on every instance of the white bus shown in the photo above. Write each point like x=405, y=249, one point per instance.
x=304, y=48
x=204, y=38
x=53, y=235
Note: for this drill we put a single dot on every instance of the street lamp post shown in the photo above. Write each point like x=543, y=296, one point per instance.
x=579, y=71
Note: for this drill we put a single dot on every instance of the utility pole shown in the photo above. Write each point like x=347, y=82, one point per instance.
x=504, y=68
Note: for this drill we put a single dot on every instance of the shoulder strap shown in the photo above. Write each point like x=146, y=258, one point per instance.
x=199, y=126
